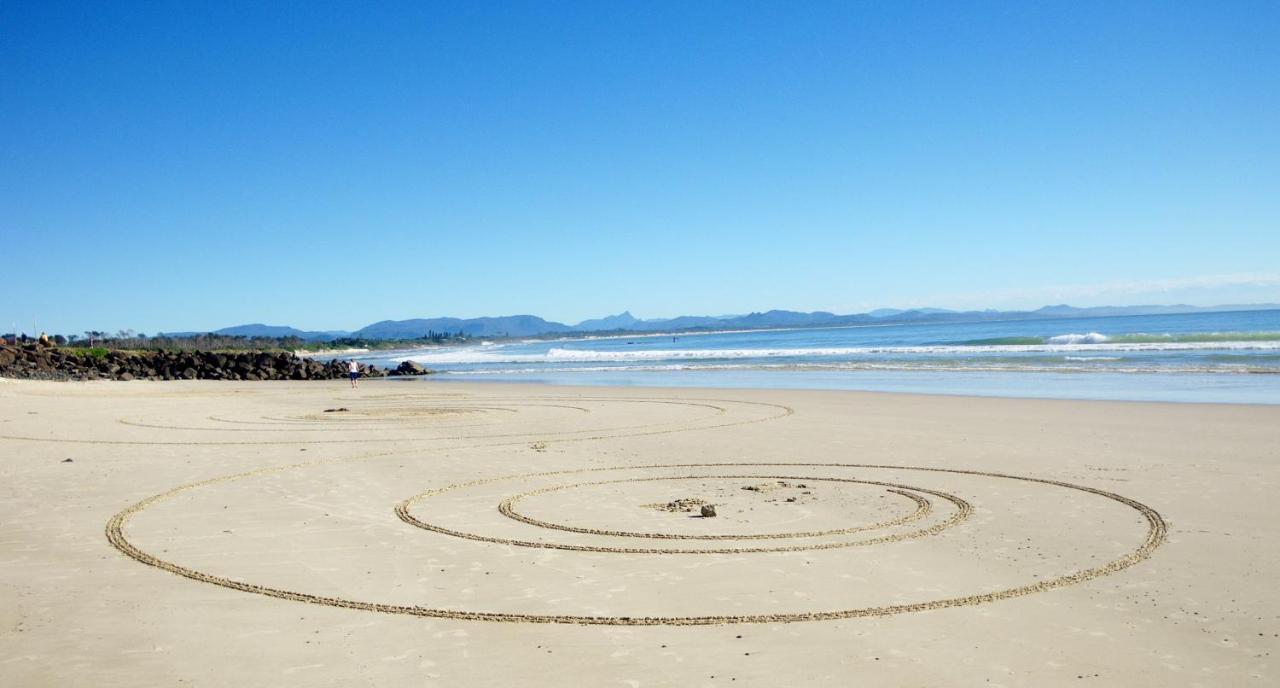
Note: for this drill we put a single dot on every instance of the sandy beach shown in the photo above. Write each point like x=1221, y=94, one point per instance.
x=409, y=533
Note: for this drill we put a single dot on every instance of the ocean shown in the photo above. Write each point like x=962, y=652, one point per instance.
x=1231, y=357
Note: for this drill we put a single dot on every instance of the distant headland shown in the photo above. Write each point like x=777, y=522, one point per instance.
x=446, y=329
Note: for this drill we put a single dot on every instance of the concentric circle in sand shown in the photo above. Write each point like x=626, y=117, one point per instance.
x=960, y=511
x=605, y=580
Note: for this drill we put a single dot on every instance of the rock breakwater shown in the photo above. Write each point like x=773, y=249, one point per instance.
x=34, y=361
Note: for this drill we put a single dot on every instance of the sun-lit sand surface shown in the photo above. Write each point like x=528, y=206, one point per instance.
x=408, y=533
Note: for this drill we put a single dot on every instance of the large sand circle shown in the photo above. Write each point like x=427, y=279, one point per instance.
x=470, y=516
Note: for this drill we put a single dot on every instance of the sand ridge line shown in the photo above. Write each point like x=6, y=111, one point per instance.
x=373, y=410
x=319, y=424
x=784, y=412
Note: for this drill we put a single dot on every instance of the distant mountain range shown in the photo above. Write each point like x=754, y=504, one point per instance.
x=533, y=326
x=507, y=326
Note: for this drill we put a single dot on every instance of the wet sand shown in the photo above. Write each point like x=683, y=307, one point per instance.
x=489, y=534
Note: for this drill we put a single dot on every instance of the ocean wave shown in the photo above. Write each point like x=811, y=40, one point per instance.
x=497, y=354
x=960, y=366
x=1205, y=337
x=1133, y=338
x=1090, y=338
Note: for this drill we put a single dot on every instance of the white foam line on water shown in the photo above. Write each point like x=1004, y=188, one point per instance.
x=853, y=367
x=562, y=355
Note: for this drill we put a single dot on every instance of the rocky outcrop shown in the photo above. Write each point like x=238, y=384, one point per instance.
x=409, y=368
x=33, y=361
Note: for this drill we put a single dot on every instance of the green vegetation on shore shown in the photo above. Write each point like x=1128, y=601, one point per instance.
x=435, y=338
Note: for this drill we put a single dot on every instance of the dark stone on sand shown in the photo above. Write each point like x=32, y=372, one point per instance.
x=410, y=368
x=708, y=510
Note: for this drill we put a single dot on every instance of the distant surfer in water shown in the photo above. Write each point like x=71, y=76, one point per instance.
x=353, y=369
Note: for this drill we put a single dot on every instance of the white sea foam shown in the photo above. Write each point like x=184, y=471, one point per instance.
x=951, y=365
x=1090, y=338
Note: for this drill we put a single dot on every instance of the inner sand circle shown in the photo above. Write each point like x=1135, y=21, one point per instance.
x=963, y=509
x=923, y=506
x=1156, y=529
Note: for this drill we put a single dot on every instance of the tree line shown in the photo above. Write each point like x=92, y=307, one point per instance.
x=129, y=339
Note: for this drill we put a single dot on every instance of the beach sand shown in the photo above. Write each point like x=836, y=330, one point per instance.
x=497, y=534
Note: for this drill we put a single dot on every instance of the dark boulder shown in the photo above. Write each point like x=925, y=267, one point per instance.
x=410, y=368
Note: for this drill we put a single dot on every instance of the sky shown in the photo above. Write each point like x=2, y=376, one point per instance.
x=189, y=166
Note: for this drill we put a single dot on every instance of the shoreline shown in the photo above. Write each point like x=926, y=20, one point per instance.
x=1188, y=358
x=1078, y=386
x=1244, y=387
x=447, y=378
x=708, y=391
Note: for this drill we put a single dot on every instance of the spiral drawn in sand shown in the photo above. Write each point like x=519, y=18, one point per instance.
x=869, y=513
x=959, y=509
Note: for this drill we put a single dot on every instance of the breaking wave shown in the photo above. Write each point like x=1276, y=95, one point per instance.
x=1136, y=338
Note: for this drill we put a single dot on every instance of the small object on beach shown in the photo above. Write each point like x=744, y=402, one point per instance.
x=708, y=510
x=340, y=409
x=684, y=504
x=67, y=461
x=791, y=499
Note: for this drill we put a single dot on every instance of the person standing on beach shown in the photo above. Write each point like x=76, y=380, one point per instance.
x=353, y=369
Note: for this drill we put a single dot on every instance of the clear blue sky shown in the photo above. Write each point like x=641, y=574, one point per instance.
x=174, y=166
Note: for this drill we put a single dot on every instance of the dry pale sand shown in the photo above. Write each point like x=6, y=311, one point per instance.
x=233, y=534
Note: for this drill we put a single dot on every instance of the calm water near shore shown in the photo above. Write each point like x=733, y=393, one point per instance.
x=1200, y=357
